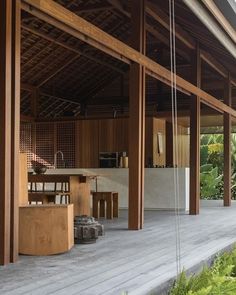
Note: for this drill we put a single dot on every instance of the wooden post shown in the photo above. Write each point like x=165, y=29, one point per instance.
x=195, y=137
x=137, y=120
x=5, y=129
x=9, y=128
x=15, y=128
x=227, y=144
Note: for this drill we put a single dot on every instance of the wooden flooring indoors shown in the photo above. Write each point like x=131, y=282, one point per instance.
x=125, y=262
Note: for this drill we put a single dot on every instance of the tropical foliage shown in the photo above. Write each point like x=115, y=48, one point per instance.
x=212, y=165
x=219, y=279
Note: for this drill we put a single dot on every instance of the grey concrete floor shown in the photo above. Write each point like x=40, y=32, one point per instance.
x=135, y=262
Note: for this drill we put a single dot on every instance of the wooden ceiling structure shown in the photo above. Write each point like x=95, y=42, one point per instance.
x=74, y=58
x=59, y=69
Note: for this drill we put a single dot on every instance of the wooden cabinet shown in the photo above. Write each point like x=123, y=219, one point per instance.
x=46, y=229
x=78, y=188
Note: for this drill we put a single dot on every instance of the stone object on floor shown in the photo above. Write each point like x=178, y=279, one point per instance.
x=86, y=229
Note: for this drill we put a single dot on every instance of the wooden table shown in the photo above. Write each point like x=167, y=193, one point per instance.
x=46, y=229
x=79, y=189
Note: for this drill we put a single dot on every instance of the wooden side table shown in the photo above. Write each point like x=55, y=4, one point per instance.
x=105, y=204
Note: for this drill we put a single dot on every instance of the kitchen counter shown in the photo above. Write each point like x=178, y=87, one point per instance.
x=159, y=189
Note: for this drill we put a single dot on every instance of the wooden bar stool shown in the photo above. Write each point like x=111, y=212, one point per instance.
x=105, y=204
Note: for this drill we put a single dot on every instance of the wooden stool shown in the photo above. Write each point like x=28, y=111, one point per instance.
x=108, y=200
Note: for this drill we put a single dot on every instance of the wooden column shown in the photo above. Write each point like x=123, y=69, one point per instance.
x=137, y=119
x=9, y=128
x=15, y=128
x=195, y=137
x=5, y=129
x=227, y=144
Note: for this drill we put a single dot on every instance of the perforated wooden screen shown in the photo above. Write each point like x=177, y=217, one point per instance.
x=42, y=140
x=26, y=143
x=66, y=143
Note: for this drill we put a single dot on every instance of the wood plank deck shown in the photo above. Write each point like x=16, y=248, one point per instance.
x=135, y=262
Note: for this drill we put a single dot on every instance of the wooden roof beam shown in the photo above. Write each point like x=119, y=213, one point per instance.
x=181, y=35
x=156, y=13
x=27, y=87
x=24, y=118
x=220, y=18
x=216, y=65
x=56, y=14
x=61, y=68
x=94, y=8
x=201, y=12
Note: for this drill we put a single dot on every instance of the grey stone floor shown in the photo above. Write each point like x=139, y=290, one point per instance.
x=135, y=262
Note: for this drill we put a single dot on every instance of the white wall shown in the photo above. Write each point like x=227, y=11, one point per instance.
x=159, y=189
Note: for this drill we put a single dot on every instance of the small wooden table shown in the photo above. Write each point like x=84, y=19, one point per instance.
x=110, y=199
x=46, y=229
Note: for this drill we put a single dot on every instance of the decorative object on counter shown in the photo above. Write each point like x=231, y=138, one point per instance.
x=40, y=169
x=87, y=230
x=110, y=199
x=125, y=162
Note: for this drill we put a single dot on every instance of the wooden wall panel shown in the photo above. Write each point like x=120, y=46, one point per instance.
x=87, y=139
x=82, y=141
x=183, y=147
x=44, y=144
x=106, y=135
x=121, y=135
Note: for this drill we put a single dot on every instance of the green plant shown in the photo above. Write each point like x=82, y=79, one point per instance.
x=220, y=279
x=209, y=181
x=211, y=152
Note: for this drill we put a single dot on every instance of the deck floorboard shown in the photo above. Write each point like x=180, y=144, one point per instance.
x=136, y=262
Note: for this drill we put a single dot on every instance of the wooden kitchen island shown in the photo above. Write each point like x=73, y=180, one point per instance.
x=77, y=187
x=46, y=229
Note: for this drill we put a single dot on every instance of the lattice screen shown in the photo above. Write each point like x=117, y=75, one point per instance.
x=42, y=140
x=66, y=143
x=26, y=143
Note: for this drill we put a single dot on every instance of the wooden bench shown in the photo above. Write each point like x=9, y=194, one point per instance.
x=105, y=204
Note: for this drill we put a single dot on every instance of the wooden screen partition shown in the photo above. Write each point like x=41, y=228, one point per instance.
x=26, y=141
x=40, y=141
x=65, y=142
